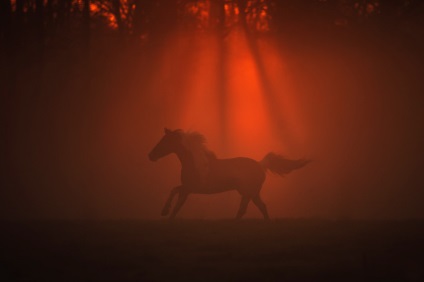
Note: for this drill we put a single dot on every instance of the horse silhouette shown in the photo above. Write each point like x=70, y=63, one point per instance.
x=203, y=173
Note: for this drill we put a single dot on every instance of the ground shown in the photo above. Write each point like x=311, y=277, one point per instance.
x=191, y=250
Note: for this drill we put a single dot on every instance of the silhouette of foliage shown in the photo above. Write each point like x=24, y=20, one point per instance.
x=47, y=22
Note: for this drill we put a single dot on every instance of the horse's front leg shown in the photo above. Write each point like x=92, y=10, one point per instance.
x=167, y=206
x=182, y=197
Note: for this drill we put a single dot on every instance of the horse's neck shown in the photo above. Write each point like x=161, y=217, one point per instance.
x=185, y=158
x=197, y=169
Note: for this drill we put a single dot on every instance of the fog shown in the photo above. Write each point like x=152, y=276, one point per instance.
x=76, y=146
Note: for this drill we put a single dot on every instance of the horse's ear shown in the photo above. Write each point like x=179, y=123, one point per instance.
x=167, y=131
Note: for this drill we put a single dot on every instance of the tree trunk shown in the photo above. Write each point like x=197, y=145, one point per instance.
x=39, y=26
x=221, y=16
x=222, y=70
x=242, y=13
x=138, y=17
x=86, y=24
x=63, y=17
x=5, y=21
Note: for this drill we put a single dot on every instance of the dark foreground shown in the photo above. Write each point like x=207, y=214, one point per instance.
x=251, y=250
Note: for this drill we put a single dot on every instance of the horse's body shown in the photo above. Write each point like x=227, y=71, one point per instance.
x=203, y=173
x=225, y=175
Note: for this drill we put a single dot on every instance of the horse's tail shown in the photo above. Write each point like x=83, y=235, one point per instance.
x=279, y=165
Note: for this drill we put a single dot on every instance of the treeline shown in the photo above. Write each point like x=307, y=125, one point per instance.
x=41, y=23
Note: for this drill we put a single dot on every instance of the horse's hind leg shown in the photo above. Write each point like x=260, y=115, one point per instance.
x=261, y=205
x=167, y=206
x=182, y=197
x=243, y=206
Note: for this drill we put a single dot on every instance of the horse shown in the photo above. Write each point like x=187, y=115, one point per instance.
x=203, y=173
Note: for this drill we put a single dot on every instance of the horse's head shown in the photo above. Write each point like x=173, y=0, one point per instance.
x=169, y=143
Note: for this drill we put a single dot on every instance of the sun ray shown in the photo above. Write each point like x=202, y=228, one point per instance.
x=248, y=120
x=200, y=110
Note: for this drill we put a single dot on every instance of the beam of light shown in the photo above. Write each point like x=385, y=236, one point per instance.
x=234, y=89
x=280, y=95
x=263, y=105
x=248, y=120
x=200, y=110
x=239, y=97
x=243, y=108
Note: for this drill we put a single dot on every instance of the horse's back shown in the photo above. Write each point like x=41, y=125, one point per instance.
x=237, y=173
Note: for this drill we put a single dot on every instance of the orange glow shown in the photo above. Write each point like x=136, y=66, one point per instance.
x=244, y=118
x=112, y=21
x=249, y=123
x=284, y=94
x=197, y=14
x=186, y=93
x=105, y=11
x=200, y=110
x=257, y=16
x=94, y=8
x=187, y=82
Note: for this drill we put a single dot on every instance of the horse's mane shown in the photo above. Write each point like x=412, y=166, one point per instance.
x=196, y=144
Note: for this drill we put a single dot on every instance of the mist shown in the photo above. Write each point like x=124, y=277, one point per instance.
x=77, y=128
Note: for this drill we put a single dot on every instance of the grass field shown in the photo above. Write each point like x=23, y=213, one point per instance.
x=190, y=250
